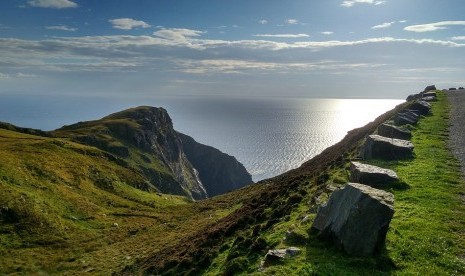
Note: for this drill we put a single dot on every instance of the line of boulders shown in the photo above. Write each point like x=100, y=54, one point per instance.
x=356, y=218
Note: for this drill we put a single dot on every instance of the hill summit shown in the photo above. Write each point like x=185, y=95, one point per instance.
x=143, y=139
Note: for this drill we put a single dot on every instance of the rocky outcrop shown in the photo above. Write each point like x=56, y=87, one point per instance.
x=144, y=136
x=373, y=176
x=218, y=171
x=390, y=131
x=356, y=218
x=386, y=148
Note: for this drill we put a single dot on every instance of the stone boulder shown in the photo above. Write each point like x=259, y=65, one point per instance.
x=373, y=176
x=406, y=118
x=377, y=146
x=356, y=218
x=413, y=97
x=430, y=88
x=391, y=131
x=280, y=254
x=430, y=94
x=429, y=99
x=422, y=107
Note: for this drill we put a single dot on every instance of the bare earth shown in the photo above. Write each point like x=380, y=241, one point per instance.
x=457, y=125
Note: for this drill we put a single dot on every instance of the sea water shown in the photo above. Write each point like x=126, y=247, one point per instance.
x=270, y=136
x=267, y=135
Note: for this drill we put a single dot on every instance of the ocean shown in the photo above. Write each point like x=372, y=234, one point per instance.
x=267, y=135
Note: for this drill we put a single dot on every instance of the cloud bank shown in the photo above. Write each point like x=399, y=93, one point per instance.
x=128, y=23
x=431, y=27
x=54, y=4
x=351, y=3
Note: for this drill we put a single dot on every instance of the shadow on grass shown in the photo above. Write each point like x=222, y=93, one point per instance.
x=324, y=258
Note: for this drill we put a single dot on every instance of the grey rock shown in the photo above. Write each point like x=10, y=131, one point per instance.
x=373, y=176
x=429, y=99
x=429, y=94
x=404, y=118
x=423, y=107
x=430, y=88
x=388, y=130
x=356, y=218
x=280, y=254
x=377, y=146
x=413, y=97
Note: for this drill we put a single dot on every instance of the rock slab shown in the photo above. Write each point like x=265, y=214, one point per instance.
x=391, y=131
x=377, y=146
x=373, y=176
x=421, y=106
x=356, y=218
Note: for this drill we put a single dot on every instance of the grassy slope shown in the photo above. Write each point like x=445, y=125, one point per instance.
x=59, y=201
x=426, y=234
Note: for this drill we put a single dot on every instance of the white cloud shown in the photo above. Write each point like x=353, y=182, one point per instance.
x=176, y=34
x=351, y=3
x=127, y=23
x=61, y=28
x=384, y=25
x=263, y=21
x=327, y=33
x=54, y=4
x=458, y=38
x=402, y=21
x=231, y=66
x=283, y=35
x=292, y=21
x=16, y=75
x=430, y=27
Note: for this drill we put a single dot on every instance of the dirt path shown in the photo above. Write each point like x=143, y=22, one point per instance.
x=457, y=128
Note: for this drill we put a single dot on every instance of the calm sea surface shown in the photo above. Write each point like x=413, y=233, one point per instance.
x=268, y=135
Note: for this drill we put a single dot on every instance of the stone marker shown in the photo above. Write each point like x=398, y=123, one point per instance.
x=429, y=99
x=373, y=176
x=430, y=87
x=422, y=107
x=406, y=117
x=386, y=148
x=391, y=131
x=356, y=218
x=429, y=94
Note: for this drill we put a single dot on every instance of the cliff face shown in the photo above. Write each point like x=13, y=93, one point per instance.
x=219, y=172
x=144, y=137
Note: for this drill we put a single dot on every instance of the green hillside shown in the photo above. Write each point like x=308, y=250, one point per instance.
x=69, y=208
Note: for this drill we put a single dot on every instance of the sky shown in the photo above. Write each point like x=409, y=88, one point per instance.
x=124, y=49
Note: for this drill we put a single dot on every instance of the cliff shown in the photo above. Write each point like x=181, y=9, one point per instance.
x=219, y=172
x=144, y=138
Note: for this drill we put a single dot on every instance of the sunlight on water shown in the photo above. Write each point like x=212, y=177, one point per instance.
x=271, y=136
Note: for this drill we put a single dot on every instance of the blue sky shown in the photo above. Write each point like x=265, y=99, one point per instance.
x=295, y=48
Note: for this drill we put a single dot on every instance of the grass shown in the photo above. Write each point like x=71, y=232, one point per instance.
x=65, y=208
